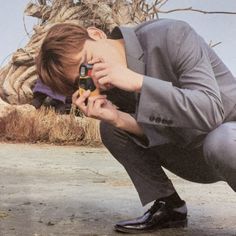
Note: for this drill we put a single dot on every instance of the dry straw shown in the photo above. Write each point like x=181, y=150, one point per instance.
x=46, y=126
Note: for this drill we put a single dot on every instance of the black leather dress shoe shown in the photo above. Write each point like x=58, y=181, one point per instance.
x=159, y=216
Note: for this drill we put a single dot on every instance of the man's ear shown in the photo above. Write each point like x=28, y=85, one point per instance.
x=96, y=33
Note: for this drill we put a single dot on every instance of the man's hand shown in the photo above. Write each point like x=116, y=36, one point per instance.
x=111, y=74
x=97, y=107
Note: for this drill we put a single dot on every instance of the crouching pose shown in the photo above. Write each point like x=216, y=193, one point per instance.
x=166, y=100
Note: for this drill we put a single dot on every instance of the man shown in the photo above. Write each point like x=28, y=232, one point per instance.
x=173, y=107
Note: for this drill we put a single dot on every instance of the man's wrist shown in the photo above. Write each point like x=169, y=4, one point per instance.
x=118, y=123
x=139, y=82
x=127, y=122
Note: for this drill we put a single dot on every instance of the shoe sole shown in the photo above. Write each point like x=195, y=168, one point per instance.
x=176, y=224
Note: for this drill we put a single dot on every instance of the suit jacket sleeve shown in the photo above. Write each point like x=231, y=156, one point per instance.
x=196, y=102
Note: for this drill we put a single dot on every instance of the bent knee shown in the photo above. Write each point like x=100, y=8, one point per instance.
x=106, y=130
x=112, y=136
x=219, y=146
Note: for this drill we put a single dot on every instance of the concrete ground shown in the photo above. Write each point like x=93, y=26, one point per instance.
x=65, y=191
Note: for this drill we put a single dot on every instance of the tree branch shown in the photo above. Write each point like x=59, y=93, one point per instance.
x=162, y=3
x=214, y=45
x=42, y=2
x=196, y=10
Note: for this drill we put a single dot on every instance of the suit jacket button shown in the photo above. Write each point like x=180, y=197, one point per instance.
x=151, y=118
x=164, y=121
x=158, y=120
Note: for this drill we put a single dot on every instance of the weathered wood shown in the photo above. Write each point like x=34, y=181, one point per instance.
x=38, y=11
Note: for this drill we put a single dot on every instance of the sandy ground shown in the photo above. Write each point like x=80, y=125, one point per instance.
x=48, y=190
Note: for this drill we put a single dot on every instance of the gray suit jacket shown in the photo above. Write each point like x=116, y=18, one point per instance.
x=187, y=90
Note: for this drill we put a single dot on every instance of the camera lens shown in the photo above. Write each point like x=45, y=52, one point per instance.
x=82, y=71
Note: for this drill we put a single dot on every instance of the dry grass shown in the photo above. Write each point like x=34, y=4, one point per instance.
x=45, y=126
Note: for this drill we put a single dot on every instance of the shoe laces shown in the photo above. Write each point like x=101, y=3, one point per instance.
x=157, y=205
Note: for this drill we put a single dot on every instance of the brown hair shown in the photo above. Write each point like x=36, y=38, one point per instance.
x=56, y=55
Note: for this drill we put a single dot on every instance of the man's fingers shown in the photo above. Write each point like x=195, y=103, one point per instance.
x=84, y=96
x=80, y=101
x=99, y=70
x=95, y=60
x=91, y=107
x=75, y=96
x=99, y=103
x=99, y=74
x=104, y=80
x=91, y=100
x=100, y=66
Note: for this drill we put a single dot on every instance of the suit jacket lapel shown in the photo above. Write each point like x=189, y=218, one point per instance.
x=134, y=51
x=135, y=62
x=134, y=54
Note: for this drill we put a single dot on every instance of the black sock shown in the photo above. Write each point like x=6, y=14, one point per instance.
x=173, y=201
